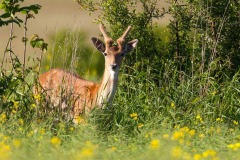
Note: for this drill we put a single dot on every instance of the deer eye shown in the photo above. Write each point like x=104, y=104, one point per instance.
x=105, y=54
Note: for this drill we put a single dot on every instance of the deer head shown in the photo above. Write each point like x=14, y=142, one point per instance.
x=114, y=53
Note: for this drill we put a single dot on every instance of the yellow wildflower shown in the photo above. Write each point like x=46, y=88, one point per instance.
x=79, y=120
x=147, y=135
x=33, y=106
x=15, y=104
x=219, y=120
x=209, y=153
x=186, y=156
x=16, y=143
x=235, y=122
x=134, y=116
x=113, y=148
x=14, y=111
x=181, y=141
x=154, y=144
x=192, y=132
x=42, y=131
x=3, y=118
x=5, y=138
x=201, y=135
x=5, y=151
x=172, y=105
x=20, y=122
x=55, y=141
x=177, y=126
x=197, y=156
x=184, y=129
x=166, y=136
x=87, y=151
x=218, y=130
x=177, y=135
x=30, y=134
x=199, y=118
x=237, y=145
x=176, y=152
x=37, y=97
x=71, y=128
x=234, y=147
x=214, y=93
x=140, y=125
x=40, y=138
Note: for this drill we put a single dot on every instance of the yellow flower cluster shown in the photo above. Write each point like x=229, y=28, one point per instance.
x=234, y=147
x=16, y=143
x=183, y=132
x=173, y=105
x=79, y=120
x=87, y=151
x=154, y=144
x=140, y=125
x=5, y=151
x=55, y=141
x=37, y=97
x=134, y=116
x=3, y=118
x=199, y=119
x=206, y=154
x=15, y=104
x=235, y=122
x=176, y=152
x=20, y=121
x=219, y=120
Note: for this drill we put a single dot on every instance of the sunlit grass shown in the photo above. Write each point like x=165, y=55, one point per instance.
x=152, y=142
x=146, y=121
x=139, y=126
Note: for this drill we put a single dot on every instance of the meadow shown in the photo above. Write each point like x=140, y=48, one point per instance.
x=180, y=102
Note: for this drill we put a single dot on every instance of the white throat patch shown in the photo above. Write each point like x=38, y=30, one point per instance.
x=113, y=74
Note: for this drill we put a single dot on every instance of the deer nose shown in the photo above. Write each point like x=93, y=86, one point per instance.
x=113, y=66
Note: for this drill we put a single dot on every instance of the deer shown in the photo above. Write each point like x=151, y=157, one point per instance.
x=61, y=86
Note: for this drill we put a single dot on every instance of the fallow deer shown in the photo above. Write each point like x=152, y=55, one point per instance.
x=86, y=95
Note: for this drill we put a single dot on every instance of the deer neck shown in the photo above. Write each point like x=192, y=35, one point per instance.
x=107, y=86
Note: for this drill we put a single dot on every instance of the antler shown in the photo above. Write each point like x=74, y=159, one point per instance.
x=121, y=40
x=107, y=39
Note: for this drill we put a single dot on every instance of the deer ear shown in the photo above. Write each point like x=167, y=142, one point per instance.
x=130, y=46
x=98, y=44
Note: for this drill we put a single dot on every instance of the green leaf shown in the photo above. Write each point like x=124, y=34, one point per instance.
x=34, y=8
x=12, y=21
x=37, y=42
x=5, y=15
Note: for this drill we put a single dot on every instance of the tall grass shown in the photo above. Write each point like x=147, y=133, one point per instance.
x=147, y=121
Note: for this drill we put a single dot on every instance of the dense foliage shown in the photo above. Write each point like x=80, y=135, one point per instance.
x=197, y=50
